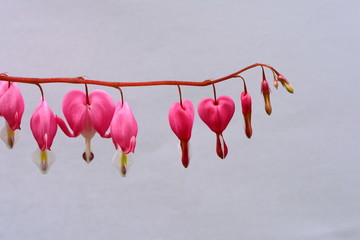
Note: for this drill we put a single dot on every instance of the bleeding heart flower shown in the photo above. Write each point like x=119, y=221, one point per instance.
x=123, y=131
x=217, y=115
x=43, y=126
x=181, y=119
x=12, y=109
x=87, y=115
x=246, y=110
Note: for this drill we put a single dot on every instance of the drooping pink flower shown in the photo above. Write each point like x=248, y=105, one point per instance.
x=217, y=115
x=43, y=126
x=12, y=109
x=246, y=110
x=87, y=115
x=123, y=131
x=181, y=119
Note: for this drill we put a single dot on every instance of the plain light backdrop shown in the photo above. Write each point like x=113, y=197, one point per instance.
x=298, y=177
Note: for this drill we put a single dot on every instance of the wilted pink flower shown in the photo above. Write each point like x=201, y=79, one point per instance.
x=181, y=119
x=12, y=109
x=217, y=115
x=86, y=116
x=123, y=130
x=43, y=126
x=246, y=110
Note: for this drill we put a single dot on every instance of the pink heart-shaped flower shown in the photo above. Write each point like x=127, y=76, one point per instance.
x=217, y=115
x=181, y=119
x=87, y=115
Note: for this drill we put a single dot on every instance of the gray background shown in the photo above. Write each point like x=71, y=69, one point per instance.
x=297, y=178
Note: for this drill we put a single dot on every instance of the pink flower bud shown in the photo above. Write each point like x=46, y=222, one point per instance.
x=266, y=93
x=246, y=110
x=285, y=83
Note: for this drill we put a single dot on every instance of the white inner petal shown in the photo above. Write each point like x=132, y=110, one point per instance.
x=122, y=161
x=43, y=159
x=9, y=136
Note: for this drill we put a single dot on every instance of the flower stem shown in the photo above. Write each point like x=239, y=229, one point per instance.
x=180, y=96
x=81, y=80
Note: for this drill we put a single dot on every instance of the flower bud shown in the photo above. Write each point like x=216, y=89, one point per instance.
x=266, y=93
x=285, y=83
x=246, y=110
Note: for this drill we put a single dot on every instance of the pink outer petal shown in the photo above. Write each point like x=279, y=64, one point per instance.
x=181, y=119
x=216, y=116
x=123, y=128
x=102, y=109
x=63, y=127
x=75, y=110
x=11, y=105
x=245, y=103
x=43, y=126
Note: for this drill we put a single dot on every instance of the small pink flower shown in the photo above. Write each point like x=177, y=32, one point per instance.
x=181, y=119
x=43, y=126
x=246, y=110
x=12, y=109
x=217, y=115
x=86, y=116
x=123, y=130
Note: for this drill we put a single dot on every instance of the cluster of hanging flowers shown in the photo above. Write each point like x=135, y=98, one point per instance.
x=88, y=114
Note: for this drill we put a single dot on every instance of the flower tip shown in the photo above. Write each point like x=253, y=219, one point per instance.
x=185, y=159
x=221, y=147
x=88, y=156
x=288, y=87
x=8, y=136
x=43, y=159
x=268, y=108
x=248, y=128
x=285, y=83
x=122, y=161
x=248, y=132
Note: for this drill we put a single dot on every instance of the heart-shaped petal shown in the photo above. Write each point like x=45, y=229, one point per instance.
x=216, y=115
x=75, y=110
x=102, y=108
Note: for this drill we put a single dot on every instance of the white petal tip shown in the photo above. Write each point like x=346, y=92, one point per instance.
x=122, y=162
x=9, y=136
x=44, y=160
